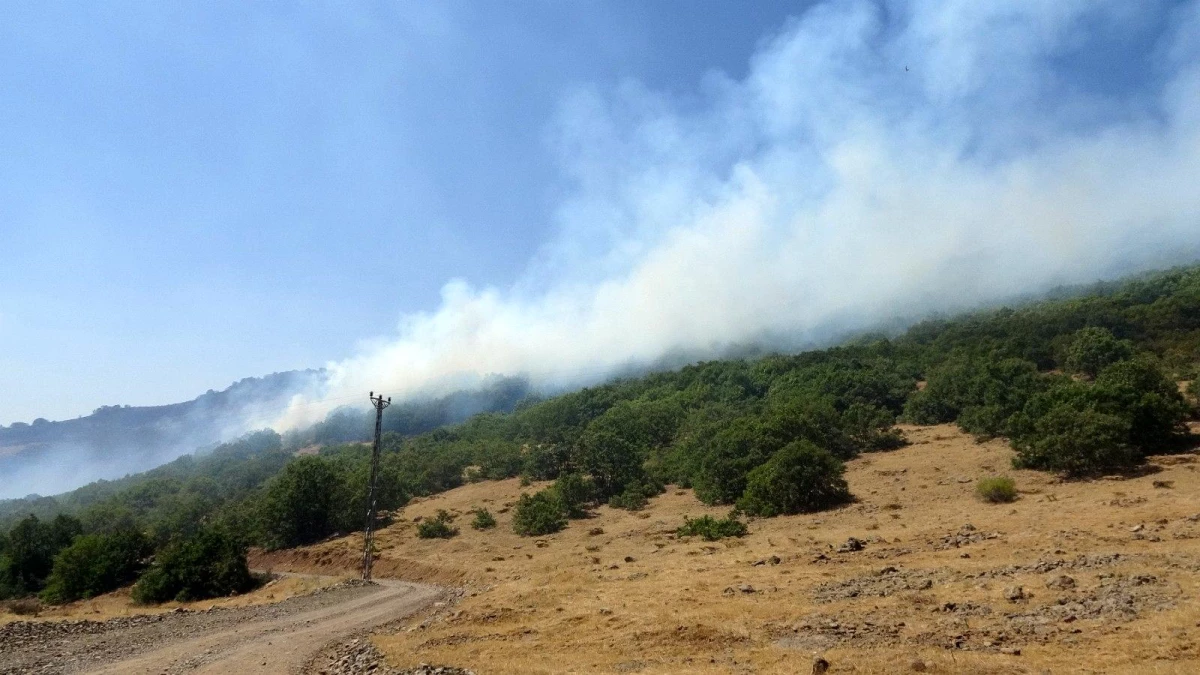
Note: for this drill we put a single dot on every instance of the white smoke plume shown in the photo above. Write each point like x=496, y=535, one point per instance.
x=878, y=161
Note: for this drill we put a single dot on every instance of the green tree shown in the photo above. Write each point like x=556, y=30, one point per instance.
x=730, y=455
x=302, y=503
x=209, y=564
x=539, y=514
x=799, y=478
x=1077, y=442
x=32, y=545
x=575, y=493
x=980, y=393
x=95, y=564
x=1093, y=349
x=1138, y=390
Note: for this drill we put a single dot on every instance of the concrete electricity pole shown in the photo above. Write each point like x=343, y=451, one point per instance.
x=369, y=532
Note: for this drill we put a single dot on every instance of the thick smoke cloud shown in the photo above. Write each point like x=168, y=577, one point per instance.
x=878, y=161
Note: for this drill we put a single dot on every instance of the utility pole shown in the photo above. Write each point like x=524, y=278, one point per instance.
x=369, y=532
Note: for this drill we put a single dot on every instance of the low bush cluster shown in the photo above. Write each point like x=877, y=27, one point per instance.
x=484, y=520
x=437, y=527
x=539, y=514
x=712, y=529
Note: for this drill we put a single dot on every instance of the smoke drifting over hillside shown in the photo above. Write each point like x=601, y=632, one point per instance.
x=49, y=457
x=877, y=161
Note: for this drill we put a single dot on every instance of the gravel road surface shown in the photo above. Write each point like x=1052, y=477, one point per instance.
x=279, y=638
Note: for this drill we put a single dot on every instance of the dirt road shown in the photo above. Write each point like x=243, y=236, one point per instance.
x=278, y=638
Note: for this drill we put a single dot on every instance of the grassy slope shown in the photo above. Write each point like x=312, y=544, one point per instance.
x=573, y=602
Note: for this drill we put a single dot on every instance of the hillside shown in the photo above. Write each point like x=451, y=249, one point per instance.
x=1074, y=389
x=53, y=456
x=1108, y=570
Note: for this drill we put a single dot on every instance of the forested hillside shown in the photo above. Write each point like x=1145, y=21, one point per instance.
x=1081, y=385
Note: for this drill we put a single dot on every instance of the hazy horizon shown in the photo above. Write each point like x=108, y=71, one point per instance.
x=418, y=198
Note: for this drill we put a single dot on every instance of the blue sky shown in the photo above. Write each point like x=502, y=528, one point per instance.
x=191, y=193
x=416, y=194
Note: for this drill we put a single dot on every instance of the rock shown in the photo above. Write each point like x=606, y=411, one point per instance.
x=820, y=666
x=745, y=588
x=852, y=544
x=1137, y=528
x=1011, y=651
x=917, y=666
x=595, y=531
x=1014, y=593
x=629, y=559
x=1061, y=582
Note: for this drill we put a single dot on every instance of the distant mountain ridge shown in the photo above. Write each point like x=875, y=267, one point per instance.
x=117, y=439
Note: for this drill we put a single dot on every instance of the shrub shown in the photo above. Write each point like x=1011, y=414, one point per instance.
x=609, y=457
x=1076, y=442
x=1080, y=428
x=712, y=529
x=636, y=495
x=720, y=476
x=95, y=564
x=1141, y=392
x=499, y=460
x=871, y=427
x=437, y=527
x=984, y=421
x=538, y=514
x=997, y=490
x=575, y=493
x=210, y=564
x=799, y=478
x=979, y=393
x=632, y=499
x=484, y=520
x=926, y=407
x=1093, y=349
x=544, y=461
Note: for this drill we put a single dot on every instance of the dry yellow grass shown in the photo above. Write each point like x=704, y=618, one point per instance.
x=119, y=603
x=637, y=599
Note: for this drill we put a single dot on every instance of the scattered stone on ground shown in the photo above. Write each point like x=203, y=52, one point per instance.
x=360, y=657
